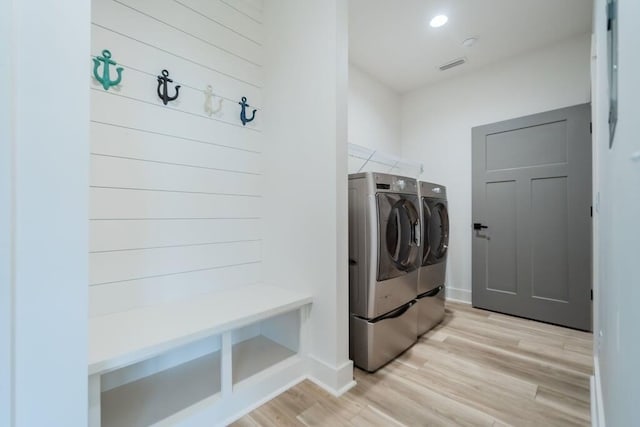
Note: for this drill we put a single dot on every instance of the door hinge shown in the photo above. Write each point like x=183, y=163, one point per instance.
x=591, y=127
x=591, y=211
x=591, y=294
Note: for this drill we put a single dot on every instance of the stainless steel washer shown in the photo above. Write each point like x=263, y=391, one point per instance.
x=384, y=256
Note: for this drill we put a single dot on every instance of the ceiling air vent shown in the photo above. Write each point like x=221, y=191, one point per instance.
x=452, y=64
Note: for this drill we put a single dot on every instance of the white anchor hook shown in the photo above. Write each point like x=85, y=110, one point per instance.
x=208, y=94
x=208, y=102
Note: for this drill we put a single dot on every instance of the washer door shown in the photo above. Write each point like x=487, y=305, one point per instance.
x=438, y=234
x=398, y=233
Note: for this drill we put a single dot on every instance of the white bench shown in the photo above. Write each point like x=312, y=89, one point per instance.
x=119, y=340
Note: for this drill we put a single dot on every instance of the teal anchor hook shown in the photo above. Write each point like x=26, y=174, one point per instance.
x=105, y=80
x=243, y=113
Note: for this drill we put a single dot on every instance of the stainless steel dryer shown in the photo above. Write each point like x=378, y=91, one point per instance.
x=431, y=275
x=384, y=256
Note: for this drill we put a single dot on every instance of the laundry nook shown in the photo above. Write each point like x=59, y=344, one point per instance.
x=319, y=213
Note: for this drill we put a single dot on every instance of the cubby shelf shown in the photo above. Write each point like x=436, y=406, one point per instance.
x=253, y=333
x=159, y=396
x=256, y=355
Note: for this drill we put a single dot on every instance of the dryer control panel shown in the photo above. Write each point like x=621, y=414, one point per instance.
x=429, y=189
x=396, y=184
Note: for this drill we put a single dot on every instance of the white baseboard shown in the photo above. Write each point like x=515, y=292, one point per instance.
x=336, y=380
x=597, y=407
x=458, y=295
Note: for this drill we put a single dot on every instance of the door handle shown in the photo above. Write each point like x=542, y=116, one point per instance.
x=478, y=226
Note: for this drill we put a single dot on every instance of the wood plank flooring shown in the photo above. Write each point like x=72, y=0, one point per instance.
x=477, y=368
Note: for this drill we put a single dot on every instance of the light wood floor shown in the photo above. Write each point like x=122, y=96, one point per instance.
x=477, y=368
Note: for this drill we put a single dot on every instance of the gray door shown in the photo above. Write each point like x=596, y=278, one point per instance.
x=532, y=192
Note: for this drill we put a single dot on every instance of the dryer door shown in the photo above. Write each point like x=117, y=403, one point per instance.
x=438, y=230
x=398, y=233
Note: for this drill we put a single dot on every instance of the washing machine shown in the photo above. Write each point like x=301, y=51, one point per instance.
x=384, y=256
x=435, y=236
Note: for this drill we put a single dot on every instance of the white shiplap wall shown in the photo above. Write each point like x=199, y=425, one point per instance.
x=175, y=194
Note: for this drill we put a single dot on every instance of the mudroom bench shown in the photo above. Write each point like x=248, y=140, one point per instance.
x=236, y=342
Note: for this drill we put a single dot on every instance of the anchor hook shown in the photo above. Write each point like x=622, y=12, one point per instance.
x=164, y=93
x=208, y=102
x=243, y=113
x=105, y=79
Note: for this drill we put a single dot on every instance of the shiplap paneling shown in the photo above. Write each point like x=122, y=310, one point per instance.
x=151, y=175
x=122, y=296
x=175, y=198
x=116, y=235
x=115, y=109
x=196, y=25
x=116, y=203
x=250, y=8
x=139, y=144
x=134, y=54
x=232, y=19
x=108, y=267
x=123, y=19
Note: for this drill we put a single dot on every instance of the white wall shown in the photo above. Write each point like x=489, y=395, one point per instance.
x=599, y=118
x=6, y=215
x=374, y=113
x=305, y=235
x=374, y=126
x=618, y=236
x=44, y=169
x=437, y=122
x=176, y=194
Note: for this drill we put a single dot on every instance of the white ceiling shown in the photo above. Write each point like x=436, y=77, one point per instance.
x=393, y=42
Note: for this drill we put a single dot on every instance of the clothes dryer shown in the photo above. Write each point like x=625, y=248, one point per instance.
x=431, y=274
x=384, y=256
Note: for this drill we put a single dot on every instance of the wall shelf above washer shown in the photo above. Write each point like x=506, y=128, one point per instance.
x=364, y=159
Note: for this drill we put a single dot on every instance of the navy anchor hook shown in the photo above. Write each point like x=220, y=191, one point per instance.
x=243, y=113
x=162, y=83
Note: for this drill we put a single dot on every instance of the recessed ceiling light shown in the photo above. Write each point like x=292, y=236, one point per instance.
x=438, y=21
x=469, y=41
